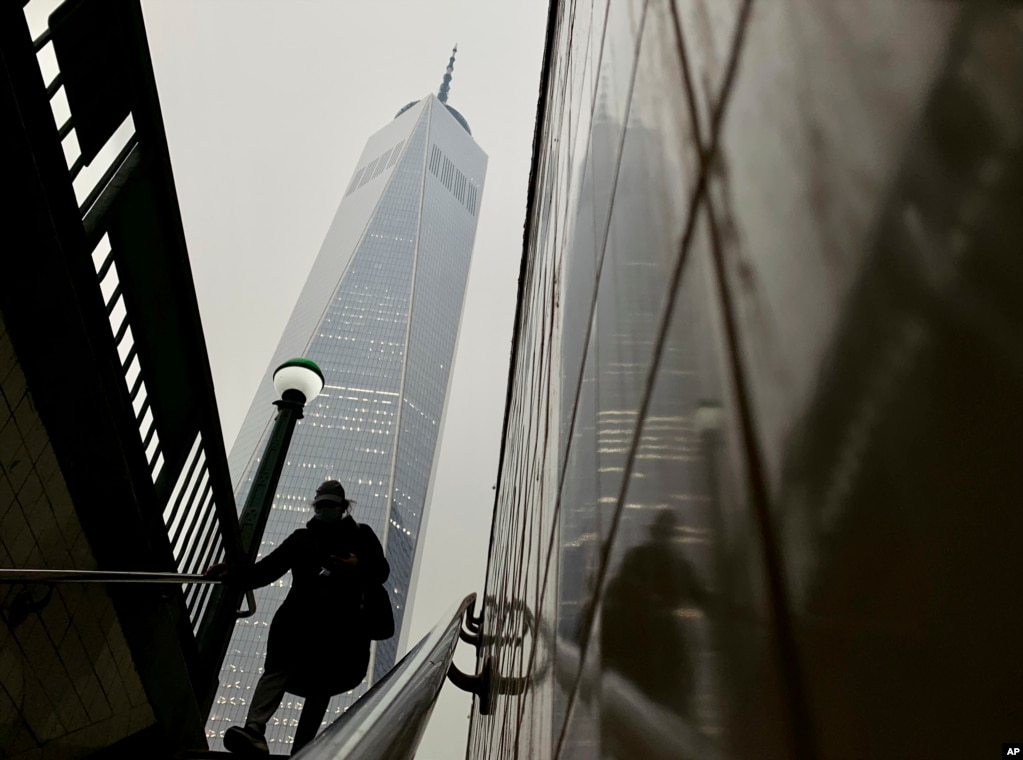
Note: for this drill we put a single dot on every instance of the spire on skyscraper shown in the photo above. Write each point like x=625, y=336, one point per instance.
x=442, y=94
x=445, y=85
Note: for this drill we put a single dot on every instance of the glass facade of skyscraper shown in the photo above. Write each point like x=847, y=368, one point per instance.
x=379, y=314
x=760, y=480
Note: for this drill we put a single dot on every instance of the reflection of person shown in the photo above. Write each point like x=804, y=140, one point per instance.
x=317, y=645
x=642, y=635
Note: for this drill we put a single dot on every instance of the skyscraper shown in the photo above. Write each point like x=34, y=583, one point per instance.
x=380, y=315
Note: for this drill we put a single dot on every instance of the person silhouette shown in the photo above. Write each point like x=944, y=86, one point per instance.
x=641, y=634
x=318, y=645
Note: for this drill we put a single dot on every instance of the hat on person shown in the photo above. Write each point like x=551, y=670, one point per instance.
x=330, y=494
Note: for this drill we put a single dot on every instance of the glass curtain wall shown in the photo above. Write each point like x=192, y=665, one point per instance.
x=760, y=490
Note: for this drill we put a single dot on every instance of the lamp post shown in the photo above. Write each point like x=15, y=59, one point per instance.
x=298, y=381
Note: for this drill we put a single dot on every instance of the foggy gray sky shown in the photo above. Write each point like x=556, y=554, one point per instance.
x=267, y=105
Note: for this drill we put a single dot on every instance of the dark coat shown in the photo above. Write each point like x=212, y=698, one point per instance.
x=317, y=633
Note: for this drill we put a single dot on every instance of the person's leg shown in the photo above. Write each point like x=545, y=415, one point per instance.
x=266, y=698
x=309, y=722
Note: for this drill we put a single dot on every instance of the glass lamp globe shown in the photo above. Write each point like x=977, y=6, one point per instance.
x=301, y=375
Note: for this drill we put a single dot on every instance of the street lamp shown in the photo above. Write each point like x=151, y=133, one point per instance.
x=298, y=381
x=301, y=376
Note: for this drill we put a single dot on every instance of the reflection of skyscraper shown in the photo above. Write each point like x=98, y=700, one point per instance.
x=379, y=314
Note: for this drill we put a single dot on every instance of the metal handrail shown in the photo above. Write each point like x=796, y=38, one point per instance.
x=389, y=720
x=23, y=575
x=96, y=576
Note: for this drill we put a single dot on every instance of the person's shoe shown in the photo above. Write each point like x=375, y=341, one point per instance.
x=245, y=741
